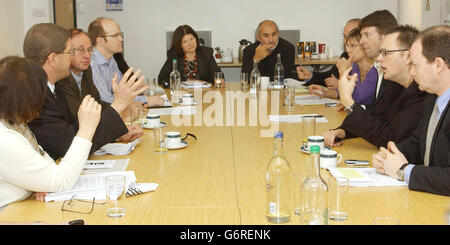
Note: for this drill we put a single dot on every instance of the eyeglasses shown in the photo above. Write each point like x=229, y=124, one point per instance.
x=71, y=52
x=384, y=52
x=81, y=51
x=351, y=46
x=80, y=206
x=120, y=34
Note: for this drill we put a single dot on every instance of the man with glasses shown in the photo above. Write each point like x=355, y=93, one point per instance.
x=50, y=47
x=107, y=39
x=423, y=159
x=80, y=83
x=396, y=114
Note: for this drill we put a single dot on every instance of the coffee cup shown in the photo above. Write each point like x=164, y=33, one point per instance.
x=316, y=140
x=265, y=82
x=188, y=99
x=173, y=139
x=329, y=158
x=152, y=120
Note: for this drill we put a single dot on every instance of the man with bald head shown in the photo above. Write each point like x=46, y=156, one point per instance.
x=265, y=50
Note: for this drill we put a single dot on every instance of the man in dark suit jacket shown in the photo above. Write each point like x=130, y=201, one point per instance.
x=423, y=160
x=80, y=82
x=401, y=101
x=49, y=46
x=265, y=51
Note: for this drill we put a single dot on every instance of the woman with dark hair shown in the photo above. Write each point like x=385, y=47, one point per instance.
x=362, y=65
x=24, y=166
x=193, y=61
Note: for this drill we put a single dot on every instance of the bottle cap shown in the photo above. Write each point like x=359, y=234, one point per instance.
x=314, y=149
x=174, y=61
x=278, y=134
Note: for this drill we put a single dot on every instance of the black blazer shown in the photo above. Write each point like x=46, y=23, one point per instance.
x=266, y=66
x=319, y=77
x=55, y=128
x=436, y=177
x=72, y=93
x=393, y=118
x=206, y=66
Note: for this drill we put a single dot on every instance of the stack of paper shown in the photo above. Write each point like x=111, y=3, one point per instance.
x=312, y=100
x=365, y=177
x=179, y=110
x=295, y=118
x=89, y=186
x=195, y=84
x=117, y=148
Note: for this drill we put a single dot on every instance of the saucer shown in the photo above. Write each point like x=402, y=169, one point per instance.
x=194, y=103
x=305, y=149
x=182, y=145
x=161, y=124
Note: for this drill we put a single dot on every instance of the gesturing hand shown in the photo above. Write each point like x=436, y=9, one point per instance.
x=89, y=115
x=127, y=89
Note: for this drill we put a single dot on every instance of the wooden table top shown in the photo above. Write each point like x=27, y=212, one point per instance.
x=220, y=179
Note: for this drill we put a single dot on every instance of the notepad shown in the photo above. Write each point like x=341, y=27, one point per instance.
x=365, y=177
x=117, y=165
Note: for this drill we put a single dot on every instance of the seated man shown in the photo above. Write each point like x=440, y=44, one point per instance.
x=423, y=159
x=398, y=111
x=79, y=83
x=107, y=38
x=265, y=52
x=49, y=46
x=328, y=78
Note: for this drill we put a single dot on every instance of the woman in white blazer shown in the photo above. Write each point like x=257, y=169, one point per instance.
x=24, y=167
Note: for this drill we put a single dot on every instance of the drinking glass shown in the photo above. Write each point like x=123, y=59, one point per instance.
x=115, y=194
x=308, y=128
x=290, y=97
x=244, y=81
x=338, y=198
x=219, y=80
x=159, y=140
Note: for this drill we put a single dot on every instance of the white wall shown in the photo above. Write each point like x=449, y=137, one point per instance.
x=16, y=17
x=145, y=22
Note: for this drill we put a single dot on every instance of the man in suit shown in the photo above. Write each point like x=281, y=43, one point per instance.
x=49, y=46
x=265, y=51
x=107, y=39
x=401, y=102
x=79, y=83
x=423, y=159
x=328, y=78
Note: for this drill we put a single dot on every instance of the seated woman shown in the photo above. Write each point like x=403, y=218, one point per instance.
x=24, y=166
x=361, y=65
x=193, y=61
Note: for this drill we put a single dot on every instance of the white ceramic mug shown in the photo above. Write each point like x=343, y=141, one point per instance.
x=188, y=99
x=173, y=139
x=329, y=158
x=316, y=140
x=152, y=120
x=265, y=82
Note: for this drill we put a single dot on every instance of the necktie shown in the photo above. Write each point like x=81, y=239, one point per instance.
x=434, y=119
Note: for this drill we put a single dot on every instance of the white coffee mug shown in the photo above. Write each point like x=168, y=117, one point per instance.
x=152, y=120
x=329, y=158
x=188, y=98
x=316, y=140
x=173, y=139
x=265, y=82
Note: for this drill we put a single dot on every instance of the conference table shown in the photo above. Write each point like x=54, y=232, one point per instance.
x=220, y=178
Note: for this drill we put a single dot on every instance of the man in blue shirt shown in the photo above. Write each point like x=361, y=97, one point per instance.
x=107, y=38
x=423, y=159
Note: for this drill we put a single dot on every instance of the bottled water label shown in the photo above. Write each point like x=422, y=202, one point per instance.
x=273, y=208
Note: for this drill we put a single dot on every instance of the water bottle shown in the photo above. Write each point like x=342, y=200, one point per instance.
x=278, y=185
x=278, y=73
x=175, y=83
x=255, y=77
x=314, y=194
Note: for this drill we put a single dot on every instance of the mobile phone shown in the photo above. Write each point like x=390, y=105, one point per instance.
x=331, y=104
x=357, y=162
